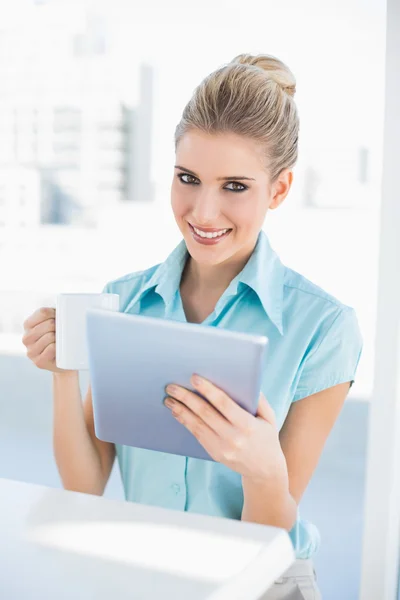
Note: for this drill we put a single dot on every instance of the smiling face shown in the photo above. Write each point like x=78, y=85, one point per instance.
x=220, y=195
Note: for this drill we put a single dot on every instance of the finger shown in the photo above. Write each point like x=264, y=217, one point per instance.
x=36, y=349
x=38, y=316
x=234, y=413
x=201, y=431
x=203, y=409
x=33, y=335
x=265, y=410
x=47, y=356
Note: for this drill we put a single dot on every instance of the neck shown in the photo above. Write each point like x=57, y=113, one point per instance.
x=204, y=278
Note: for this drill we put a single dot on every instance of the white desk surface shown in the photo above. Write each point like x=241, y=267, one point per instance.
x=66, y=545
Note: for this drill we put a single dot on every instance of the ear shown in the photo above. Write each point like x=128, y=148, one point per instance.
x=280, y=188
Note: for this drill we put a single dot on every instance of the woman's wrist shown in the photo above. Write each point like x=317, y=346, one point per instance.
x=269, y=502
x=277, y=483
x=64, y=375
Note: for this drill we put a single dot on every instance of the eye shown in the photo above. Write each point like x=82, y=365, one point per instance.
x=188, y=179
x=236, y=187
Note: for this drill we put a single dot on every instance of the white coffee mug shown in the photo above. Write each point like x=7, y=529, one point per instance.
x=71, y=344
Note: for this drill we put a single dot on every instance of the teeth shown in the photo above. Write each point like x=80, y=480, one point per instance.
x=215, y=234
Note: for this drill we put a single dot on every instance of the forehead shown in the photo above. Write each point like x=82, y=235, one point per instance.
x=219, y=153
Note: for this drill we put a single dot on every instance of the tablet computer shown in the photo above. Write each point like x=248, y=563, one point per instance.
x=131, y=360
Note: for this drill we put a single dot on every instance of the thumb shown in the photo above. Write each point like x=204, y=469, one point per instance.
x=265, y=411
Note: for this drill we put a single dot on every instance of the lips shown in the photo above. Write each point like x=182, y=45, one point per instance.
x=210, y=238
x=209, y=229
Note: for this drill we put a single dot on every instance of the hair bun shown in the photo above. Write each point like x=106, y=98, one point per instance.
x=276, y=69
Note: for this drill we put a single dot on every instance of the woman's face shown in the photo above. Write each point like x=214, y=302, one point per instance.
x=220, y=195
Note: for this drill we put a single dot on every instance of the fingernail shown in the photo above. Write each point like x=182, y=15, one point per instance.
x=196, y=380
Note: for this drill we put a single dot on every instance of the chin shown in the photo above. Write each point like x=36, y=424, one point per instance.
x=209, y=255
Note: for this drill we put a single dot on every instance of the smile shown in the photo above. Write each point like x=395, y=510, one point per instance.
x=211, y=236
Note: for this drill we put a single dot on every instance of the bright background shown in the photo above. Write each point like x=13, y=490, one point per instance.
x=90, y=93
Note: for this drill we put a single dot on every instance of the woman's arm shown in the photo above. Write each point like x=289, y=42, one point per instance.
x=84, y=462
x=302, y=439
x=275, y=467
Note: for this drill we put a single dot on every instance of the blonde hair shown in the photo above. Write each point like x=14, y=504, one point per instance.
x=251, y=96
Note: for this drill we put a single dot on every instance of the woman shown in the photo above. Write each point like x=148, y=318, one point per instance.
x=236, y=146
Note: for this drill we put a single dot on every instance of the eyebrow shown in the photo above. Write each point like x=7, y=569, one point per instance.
x=218, y=178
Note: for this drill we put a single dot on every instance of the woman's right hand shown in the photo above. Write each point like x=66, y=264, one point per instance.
x=40, y=339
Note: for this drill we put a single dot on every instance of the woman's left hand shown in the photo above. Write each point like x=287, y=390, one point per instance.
x=245, y=443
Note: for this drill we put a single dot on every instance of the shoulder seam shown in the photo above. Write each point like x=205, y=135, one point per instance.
x=325, y=296
x=342, y=310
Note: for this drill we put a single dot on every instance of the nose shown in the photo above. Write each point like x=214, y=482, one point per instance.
x=206, y=208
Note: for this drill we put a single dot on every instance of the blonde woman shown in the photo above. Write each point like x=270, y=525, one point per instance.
x=236, y=146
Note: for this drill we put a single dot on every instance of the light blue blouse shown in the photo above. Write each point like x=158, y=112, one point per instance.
x=314, y=343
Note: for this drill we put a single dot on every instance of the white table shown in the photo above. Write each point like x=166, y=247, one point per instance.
x=66, y=545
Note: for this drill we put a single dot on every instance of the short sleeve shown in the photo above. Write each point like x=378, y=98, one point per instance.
x=335, y=357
